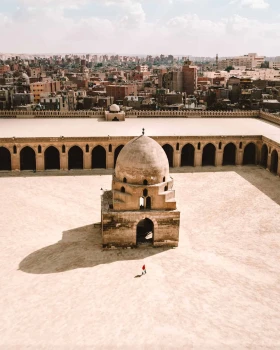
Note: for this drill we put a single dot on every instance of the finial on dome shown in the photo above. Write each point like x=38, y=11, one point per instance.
x=143, y=131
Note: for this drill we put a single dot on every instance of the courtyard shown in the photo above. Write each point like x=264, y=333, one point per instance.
x=219, y=289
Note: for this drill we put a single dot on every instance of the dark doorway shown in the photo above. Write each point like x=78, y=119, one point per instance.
x=27, y=159
x=249, y=156
x=187, y=155
x=143, y=228
x=274, y=162
x=229, y=154
x=169, y=153
x=208, y=155
x=5, y=159
x=98, y=158
x=116, y=154
x=264, y=156
x=75, y=158
x=148, y=203
x=52, y=158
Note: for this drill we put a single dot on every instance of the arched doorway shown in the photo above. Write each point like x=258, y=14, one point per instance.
x=52, y=158
x=144, y=227
x=208, y=155
x=98, y=158
x=274, y=162
x=27, y=159
x=5, y=159
x=229, y=154
x=264, y=156
x=117, y=152
x=249, y=156
x=169, y=153
x=75, y=158
x=187, y=155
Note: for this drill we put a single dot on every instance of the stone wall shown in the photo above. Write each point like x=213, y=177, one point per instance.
x=119, y=228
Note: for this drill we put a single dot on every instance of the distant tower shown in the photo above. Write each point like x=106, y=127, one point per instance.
x=217, y=61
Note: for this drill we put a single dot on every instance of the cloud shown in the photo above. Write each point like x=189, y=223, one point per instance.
x=254, y=4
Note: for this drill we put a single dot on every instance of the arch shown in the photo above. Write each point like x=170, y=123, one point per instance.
x=27, y=159
x=208, y=155
x=264, y=156
x=116, y=154
x=75, y=158
x=145, y=182
x=169, y=153
x=142, y=229
x=187, y=155
x=123, y=189
x=145, y=192
x=148, y=203
x=229, y=154
x=274, y=162
x=52, y=158
x=249, y=155
x=125, y=180
x=5, y=159
x=98, y=158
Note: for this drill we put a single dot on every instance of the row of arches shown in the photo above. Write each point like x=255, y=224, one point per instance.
x=98, y=157
x=52, y=158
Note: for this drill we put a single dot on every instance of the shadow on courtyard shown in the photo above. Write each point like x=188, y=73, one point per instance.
x=257, y=176
x=74, y=172
x=80, y=248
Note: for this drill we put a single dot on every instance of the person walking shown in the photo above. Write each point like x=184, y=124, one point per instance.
x=144, y=270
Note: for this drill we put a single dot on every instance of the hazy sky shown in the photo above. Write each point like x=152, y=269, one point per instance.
x=178, y=27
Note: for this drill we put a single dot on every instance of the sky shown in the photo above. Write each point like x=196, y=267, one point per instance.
x=177, y=27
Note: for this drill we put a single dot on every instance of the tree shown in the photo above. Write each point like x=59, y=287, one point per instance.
x=265, y=64
x=229, y=68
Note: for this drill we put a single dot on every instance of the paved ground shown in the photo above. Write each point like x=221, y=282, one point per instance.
x=219, y=290
x=92, y=127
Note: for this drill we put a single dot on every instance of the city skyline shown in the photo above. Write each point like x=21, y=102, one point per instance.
x=178, y=27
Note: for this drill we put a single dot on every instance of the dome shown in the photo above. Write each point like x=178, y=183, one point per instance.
x=142, y=159
x=114, y=108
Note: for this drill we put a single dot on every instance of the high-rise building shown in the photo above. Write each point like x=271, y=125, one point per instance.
x=189, y=78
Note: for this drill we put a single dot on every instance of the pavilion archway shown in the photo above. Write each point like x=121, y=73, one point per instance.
x=143, y=228
x=208, y=155
x=169, y=153
x=249, y=156
x=229, y=154
x=187, y=155
x=5, y=159
x=27, y=159
x=116, y=153
x=264, y=156
x=274, y=162
x=52, y=158
x=75, y=158
x=98, y=158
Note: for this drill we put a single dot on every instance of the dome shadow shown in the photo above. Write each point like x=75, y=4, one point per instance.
x=80, y=248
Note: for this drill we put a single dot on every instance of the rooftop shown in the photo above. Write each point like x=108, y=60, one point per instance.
x=93, y=127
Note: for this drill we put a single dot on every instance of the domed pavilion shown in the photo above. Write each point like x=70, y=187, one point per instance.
x=114, y=113
x=141, y=207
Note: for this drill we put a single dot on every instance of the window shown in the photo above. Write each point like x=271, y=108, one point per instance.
x=39, y=149
x=63, y=149
x=15, y=149
x=240, y=145
x=163, y=180
x=166, y=188
x=123, y=190
x=198, y=146
x=145, y=192
x=220, y=145
x=145, y=182
x=87, y=148
x=110, y=148
x=177, y=146
x=124, y=180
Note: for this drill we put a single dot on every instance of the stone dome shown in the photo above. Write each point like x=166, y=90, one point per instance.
x=142, y=159
x=114, y=108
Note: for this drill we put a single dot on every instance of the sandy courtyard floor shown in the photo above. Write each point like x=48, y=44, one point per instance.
x=219, y=290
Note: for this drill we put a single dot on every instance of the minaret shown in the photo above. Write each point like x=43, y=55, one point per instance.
x=217, y=61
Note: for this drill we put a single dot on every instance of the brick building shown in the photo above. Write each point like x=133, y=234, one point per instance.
x=189, y=78
x=120, y=91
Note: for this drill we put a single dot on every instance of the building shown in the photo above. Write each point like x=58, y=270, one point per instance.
x=189, y=78
x=44, y=87
x=173, y=81
x=250, y=61
x=120, y=91
x=141, y=207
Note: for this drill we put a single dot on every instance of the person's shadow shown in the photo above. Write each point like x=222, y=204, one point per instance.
x=80, y=248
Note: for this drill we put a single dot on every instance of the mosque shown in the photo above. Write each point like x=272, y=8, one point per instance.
x=141, y=207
